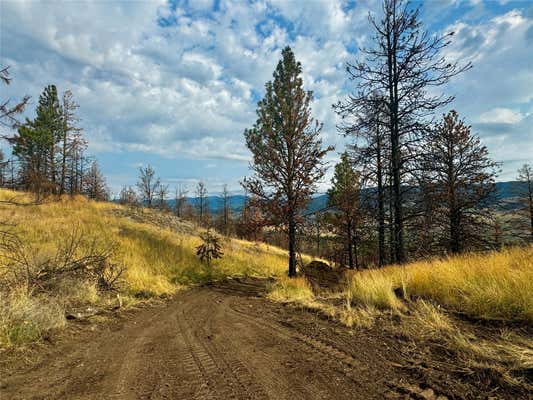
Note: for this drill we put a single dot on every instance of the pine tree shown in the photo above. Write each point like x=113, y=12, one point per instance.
x=344, y=196
x=460, y=181
x=226, y=212
x=201, y=204
x=49, y=124
x=287, y=150
x=36, y=141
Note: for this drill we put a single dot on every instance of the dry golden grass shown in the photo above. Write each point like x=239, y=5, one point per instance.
x=505, y=356
x=288, y=290
x=159, y=257
x=298, y=290
x=496, y=285
x=25, y=318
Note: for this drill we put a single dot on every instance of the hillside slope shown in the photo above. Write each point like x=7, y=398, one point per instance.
x=156, y=251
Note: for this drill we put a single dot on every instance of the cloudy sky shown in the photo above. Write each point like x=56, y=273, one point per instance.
x=174, y=84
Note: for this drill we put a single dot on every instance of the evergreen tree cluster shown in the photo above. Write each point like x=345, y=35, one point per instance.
x=49, y=152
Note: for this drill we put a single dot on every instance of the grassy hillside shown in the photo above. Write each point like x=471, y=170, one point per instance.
x=156, y=250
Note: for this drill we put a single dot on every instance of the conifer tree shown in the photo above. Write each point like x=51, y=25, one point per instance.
x=286, y=148
x=201, y=204
x=344, y=196
x=460, y=179
x=36, y=141
x=226, y=212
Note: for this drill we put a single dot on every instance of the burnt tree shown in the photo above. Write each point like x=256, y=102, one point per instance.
x=404, y=66
x=460, y=180
x=525, y=175
x=287, y=149
x=148, y=184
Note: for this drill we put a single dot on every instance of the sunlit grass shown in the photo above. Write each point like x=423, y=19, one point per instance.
x=495, y=285
x=287, y=289
x=156, y=258
x=159, y=258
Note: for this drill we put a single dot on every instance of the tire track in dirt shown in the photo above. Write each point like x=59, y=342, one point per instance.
x=220, y=342
x=333, y=354
x=233, y=369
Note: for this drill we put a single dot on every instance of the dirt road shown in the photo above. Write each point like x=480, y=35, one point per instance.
x=219, y=342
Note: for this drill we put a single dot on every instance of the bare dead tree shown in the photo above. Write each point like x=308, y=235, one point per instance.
x=8, y=112
x=180, y=200
x=370, y=151
x=162, y=194
x=148, y=184
x=201, y=202
x=95, y=186
x=525, y=175
x=69, y=132
x=128, y=196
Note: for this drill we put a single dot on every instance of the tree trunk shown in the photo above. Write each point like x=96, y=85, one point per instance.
x=355, y=251
x=531, y=206
x=531, y=214
x=395, y=136
x=350, y=242
x=392, y=259
x=455, y=231
x=317, y=236
x=53, y=168
x=292, y=246
x=63, y=163
x=381, y=207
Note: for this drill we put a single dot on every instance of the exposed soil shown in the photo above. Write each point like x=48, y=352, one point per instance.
x=226, y=341
x=322, y=277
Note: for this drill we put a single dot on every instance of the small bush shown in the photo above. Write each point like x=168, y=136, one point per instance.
x=24, y=319
x=210, y=249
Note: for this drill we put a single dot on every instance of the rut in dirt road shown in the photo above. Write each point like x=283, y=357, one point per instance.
x=219, y=342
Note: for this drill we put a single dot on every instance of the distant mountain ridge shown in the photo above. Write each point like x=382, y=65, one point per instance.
x=505, y=192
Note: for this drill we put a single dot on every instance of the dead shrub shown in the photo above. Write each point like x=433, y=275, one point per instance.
x=78, y=257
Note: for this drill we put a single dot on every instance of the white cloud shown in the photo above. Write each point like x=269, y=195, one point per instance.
x=501, y=115
x=189, y=89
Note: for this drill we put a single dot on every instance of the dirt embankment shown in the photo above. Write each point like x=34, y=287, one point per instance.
x=223, y=342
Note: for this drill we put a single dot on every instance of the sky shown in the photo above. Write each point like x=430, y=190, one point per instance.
x=175, y=83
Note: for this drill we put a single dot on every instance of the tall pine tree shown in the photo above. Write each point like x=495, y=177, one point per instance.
x=287, y=149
